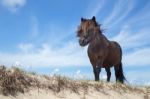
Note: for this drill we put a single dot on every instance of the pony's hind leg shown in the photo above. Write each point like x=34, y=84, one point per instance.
x=108, y=73
x=119, y=73
x=116, y=68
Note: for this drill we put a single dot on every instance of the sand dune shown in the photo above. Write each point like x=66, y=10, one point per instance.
x=17, y=84
x=92, y=94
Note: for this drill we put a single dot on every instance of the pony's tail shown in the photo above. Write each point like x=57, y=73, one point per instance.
x=121, y=77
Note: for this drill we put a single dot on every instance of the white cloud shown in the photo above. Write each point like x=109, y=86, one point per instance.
x=25, y=48
x=13, y=5
x=140, y=57
x=69, y=55
x=56, y=70
x=78, y=72
x=17, y=64
x=79, y=75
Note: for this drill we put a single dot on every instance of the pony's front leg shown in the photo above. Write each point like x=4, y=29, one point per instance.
x=97, y=71
x=108, y=73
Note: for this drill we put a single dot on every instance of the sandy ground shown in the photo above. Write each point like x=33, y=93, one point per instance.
x=65, y=94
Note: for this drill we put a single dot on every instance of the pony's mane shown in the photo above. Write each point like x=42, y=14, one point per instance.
x=98, y=26
x=99, y=29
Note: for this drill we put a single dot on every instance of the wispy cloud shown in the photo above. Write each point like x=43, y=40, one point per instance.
x=13, y=5
x=130, y=39
x=141, y=15
x=119, y=12
x=140, y=57
x=52, y=33
x=95, y=8
x=138, y=42
x=114, y=13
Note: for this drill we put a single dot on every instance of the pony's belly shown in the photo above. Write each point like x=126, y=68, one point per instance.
x=108, y=64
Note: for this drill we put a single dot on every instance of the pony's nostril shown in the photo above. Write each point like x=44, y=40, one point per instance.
x=83, y=41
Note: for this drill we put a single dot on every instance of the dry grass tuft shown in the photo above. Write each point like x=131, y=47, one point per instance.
x=57, y=83
x=98, y=86
x=85, y=85
x=14, y=81
x=74, y=87
x=61, y=83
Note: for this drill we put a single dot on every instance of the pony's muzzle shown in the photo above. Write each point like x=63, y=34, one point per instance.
x=83, y=42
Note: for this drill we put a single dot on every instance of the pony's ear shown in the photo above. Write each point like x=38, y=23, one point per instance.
x=82, y=19
x=93, y=18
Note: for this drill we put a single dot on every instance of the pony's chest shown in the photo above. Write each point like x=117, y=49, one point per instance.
x=96, y=52
x=96, y=49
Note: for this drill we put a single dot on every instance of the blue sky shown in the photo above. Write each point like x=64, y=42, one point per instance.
x=39, y=35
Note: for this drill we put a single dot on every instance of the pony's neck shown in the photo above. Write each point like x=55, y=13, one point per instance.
x=98, y=39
